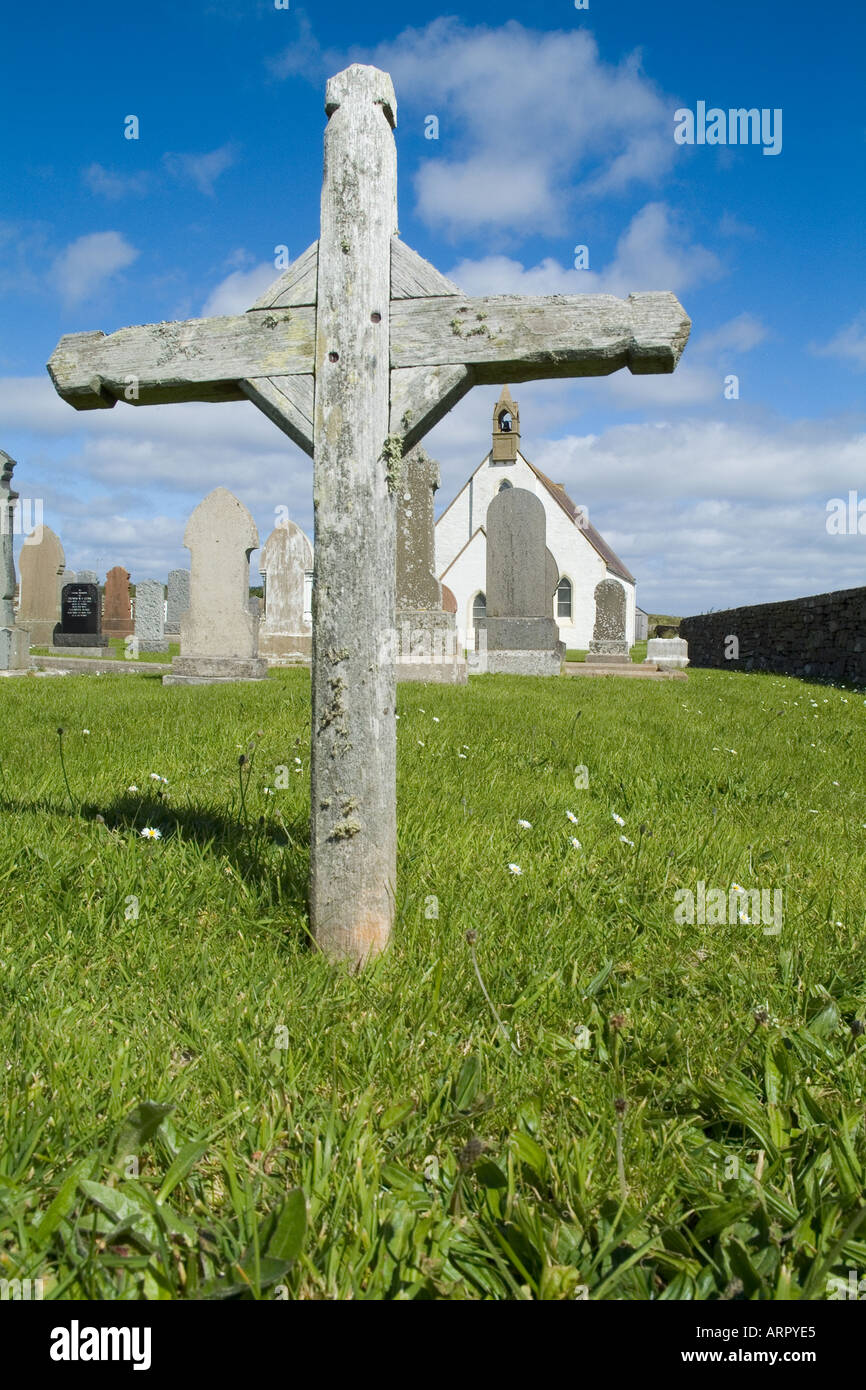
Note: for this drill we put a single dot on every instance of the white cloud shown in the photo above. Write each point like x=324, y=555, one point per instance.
x=653, y=253
x=849, y=344
x=202, y=170
x=530, y=122
x=740, y=334
x=238, y=291
x=111, y=185
x=87, y=263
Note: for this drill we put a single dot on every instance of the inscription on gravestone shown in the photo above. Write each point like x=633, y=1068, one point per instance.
x=79, y=624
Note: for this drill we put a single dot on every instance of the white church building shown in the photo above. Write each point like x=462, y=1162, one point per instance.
x=583, y=557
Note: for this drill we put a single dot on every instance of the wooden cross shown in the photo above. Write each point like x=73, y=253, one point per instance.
x=355, y=352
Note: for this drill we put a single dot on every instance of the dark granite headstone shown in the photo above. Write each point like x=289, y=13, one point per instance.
x=80, y=624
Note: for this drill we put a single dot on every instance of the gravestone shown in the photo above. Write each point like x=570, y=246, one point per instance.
x=668, y=653
x=14, y=646
x=150, y=616
x=285, y=635
x=356, y=351
x=522, y=636
x=218, y=634
x=426, y=634
x=608, y=646
x=41, y=564
x=116, y=609
x=79, y=631
x=177, y=599
x=86, y=577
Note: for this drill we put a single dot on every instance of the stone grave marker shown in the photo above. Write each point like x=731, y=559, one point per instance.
x=426, y=634
x=668, y=653
x=522, y=636
x=116, y=608
x=150, y=616
x=86, y=577
x=356, y=351
x=177, y=599
x=286, y=635
x=218, y=634
x=41, y=564
x=14, y=645
x=79, y=632
x=608, y=646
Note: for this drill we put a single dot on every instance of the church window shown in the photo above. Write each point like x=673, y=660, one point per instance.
x=563, y=598
x=479, y=608
x=504, y=484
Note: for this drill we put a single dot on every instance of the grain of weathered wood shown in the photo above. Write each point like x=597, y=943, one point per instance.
x=296, y=285
x=199, y=360
x=518, y=339
x=421, y=396
x=288, y=402
x=412, y=277
x=353, y=791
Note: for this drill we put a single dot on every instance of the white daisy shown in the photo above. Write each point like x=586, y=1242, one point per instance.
x=572, y=817
x=525, y=824
x=619, y=820
x=514, y=869
x=575, y=843
x=150, y=833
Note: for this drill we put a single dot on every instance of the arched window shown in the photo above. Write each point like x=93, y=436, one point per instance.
x=505, y=421
x=504, y=484
x=563, y=598
x=479, y=608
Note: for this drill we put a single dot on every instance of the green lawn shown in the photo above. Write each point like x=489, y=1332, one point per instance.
x=117, y=645
x=644, y=1108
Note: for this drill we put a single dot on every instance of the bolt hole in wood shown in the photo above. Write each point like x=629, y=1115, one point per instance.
x=375, y=317
x=333, y=357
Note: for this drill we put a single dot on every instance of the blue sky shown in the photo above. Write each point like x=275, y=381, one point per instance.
x=556, y=128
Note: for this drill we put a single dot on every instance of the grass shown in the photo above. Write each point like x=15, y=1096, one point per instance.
x=117, y=644
x=637, y=653
x=584, y=1094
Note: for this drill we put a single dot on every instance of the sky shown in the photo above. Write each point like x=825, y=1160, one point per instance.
x=556, y=129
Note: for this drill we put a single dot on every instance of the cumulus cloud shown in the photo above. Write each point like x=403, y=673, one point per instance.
x=202, y=170
x=88, y=263
x=849, y=344
x=653, y=253
x=239, y=290
x=530, y=121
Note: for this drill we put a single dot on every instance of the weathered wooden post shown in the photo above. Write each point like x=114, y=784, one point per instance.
x=355, y=352
x=354, y=818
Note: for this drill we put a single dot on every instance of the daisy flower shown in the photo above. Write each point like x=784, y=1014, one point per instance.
x=575, y=843
x=525, y=824
x=626, y=841
x=514, y=869
x=619, y=820
x=150, y=833
x=133, y=788
x=572, y=817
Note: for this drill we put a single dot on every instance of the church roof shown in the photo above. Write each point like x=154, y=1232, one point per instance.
x=596, y=540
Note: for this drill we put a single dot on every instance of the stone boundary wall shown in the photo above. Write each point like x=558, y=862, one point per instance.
x=819, y=638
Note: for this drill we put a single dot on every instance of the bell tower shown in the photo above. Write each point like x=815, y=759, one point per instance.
x=506, y=429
